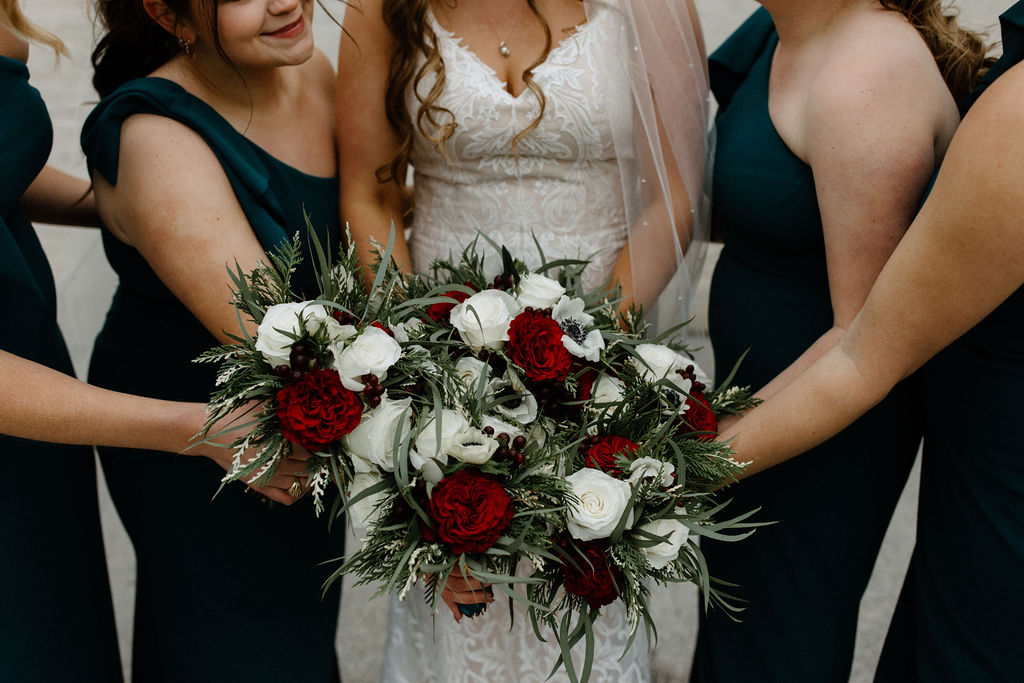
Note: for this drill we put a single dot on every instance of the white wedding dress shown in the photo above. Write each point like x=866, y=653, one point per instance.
x=565, y=191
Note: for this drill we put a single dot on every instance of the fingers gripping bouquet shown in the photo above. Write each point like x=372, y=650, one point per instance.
x=616, y=430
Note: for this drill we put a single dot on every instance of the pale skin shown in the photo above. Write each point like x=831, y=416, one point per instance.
x=42, y=404
x=959, y=260
x=288, y=90
x=872, y=124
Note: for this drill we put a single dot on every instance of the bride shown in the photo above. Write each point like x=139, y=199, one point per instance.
x=581, y=125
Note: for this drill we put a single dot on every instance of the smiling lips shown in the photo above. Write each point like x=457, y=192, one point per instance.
x=291, y=30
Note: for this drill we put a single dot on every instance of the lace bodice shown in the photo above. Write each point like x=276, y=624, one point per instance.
x=564, y=187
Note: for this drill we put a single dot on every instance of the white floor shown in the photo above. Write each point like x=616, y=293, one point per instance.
x=85, y=284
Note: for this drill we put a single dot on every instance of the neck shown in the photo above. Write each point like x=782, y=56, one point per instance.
x=798, y=21
x=251, y=90
x=12, y=46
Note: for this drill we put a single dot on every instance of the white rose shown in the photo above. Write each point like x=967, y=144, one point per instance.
x=602, y=500
x=483, y=318
x=365, y=512
x=371, y=353
x=469, y=370
x=474, y=447
x=660, y=555
x=523, y=408
x=538, y=291
x=652, y=468
x=607, y=390
x=569, y=315
x=372, y=442
x=662, y=363
x=454, y=427
x=281, y=327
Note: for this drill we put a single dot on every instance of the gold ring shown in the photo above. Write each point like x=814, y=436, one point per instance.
x=295, y=490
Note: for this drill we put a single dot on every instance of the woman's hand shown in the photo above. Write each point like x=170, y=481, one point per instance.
x=465, y=590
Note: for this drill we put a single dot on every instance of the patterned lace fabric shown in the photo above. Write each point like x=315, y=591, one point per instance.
x=565, y=191
x=564, y=188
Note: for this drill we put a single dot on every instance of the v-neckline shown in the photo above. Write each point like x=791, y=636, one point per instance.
x=459, y=44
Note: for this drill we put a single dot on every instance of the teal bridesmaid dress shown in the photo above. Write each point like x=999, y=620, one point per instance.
x=804, y=576
x=229, y=588
x=56, y=615
x=959, y=614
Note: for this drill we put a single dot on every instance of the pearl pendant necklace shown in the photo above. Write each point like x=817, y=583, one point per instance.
x=503, y=49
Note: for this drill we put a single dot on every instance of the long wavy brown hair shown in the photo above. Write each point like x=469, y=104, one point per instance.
x=962, y=55
x=413, y=37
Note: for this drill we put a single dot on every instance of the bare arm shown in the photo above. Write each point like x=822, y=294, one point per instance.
x=173, y=203
x=873, y=138
x=960, y=259
x=662, y=233
x=366, y=140
x=56, y=197
x=46, y=405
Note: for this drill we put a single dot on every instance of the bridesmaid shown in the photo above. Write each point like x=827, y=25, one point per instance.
x=834, y=115
x=959, y=271
x=43, y=602
x=215, y=133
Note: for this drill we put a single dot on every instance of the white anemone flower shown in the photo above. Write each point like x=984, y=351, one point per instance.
x=569, y=315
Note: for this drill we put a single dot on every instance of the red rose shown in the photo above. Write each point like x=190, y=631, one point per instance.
x=469, y=511
x=603, y=451
x=591, y=578
x=535, y=345
x=699, y=417
x=440, y=311
x=317, y=410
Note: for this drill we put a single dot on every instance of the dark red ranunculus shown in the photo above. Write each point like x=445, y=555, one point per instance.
x=439, y=312
x=593, y=579
x=469, y=511
x=317, y=410
x=699, y=417
x=535, y=345
x=602, y=453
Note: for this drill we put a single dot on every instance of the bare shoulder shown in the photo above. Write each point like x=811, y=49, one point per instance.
x=163, y=166
x=879, y=60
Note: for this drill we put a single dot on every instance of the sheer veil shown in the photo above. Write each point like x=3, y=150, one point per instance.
x=665, y=154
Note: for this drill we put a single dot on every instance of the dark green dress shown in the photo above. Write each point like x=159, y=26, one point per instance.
x=804, y=576
x=56, y=616
x=228, y=588
x=959, y=615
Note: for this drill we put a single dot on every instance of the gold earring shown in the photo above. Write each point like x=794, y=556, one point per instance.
x=186, y=46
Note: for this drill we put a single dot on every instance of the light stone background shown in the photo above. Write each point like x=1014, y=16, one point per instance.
x=85, y=284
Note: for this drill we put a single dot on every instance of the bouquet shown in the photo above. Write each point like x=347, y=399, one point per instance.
x=482, y=419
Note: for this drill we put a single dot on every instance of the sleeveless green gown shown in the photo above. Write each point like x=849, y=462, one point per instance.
x=56, y=615
x=229, y=589
x=958, y=617
x=804, y=576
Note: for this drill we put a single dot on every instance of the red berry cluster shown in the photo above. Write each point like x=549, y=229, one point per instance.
x=302, y=359
x=373, y=390
x=509, y=450
x=505, y=282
